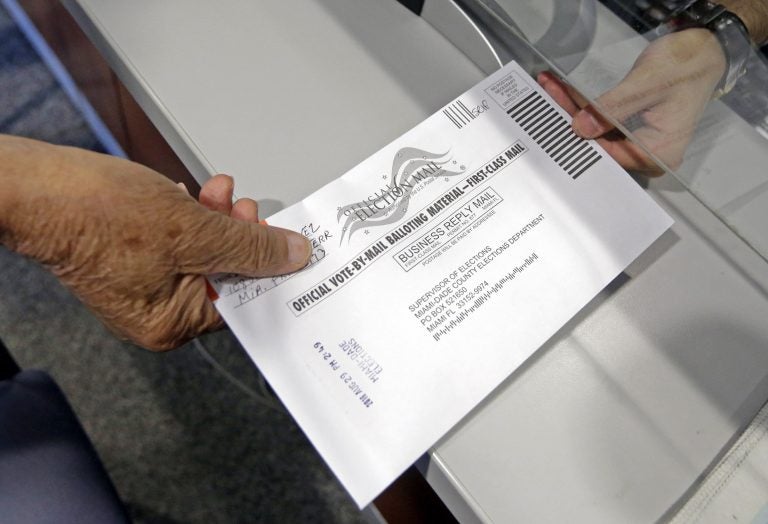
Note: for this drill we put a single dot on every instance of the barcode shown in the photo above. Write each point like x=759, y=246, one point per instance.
x=459, y=114
x=553, y=133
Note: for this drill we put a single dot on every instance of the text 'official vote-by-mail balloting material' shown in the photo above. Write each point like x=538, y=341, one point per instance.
x=439, y=265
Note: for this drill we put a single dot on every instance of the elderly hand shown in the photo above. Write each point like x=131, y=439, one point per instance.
x=664, y=95
x=133, y=246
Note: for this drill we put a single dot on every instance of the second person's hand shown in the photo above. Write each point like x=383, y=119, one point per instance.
x=661, y=99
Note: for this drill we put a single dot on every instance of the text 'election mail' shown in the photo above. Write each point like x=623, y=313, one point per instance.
x=440, y=264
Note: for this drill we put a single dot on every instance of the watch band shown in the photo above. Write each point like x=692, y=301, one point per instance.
x=728, y=28
x=737, y=46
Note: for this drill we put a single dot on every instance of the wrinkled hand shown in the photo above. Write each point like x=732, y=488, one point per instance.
x=663, y=95
x=132, y=245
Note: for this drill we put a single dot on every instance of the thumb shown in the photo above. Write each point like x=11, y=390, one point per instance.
x=221, y=244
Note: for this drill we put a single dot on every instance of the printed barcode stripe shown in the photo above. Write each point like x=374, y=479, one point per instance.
x=559, y=140
x=523, y=102
x=446, y=113
x=532, y=113
x=545, y=120
x=552, y=134
x=559, y=155
x=572, y=159
x=543, y=123
x=586, y=166
x=466, y=110
x=459, y=114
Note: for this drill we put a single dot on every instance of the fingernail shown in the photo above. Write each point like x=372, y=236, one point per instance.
x=586, y=125
x=299, y=249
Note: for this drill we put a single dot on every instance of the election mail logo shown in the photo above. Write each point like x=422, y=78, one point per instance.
x=413, y=169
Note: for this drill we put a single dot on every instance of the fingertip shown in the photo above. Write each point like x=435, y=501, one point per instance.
x=216, y=193
x=544, y=77
x=559, y=92
x=221, y=180
x=245, y=209
x=299, y=249
x=586, y=125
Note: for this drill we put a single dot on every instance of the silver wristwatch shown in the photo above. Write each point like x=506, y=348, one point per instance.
x=728, y=28
x=730, y=32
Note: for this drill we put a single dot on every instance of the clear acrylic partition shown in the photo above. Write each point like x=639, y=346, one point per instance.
x=716, y=146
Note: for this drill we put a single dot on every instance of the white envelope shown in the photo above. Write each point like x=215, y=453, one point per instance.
x=440, y=264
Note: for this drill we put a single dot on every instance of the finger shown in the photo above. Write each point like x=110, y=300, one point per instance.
x=245, y=209
x=572, y=93
x=216, y=193
x=183, y=187
x=221, y=244
x=558, y=91
x=588, y=123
